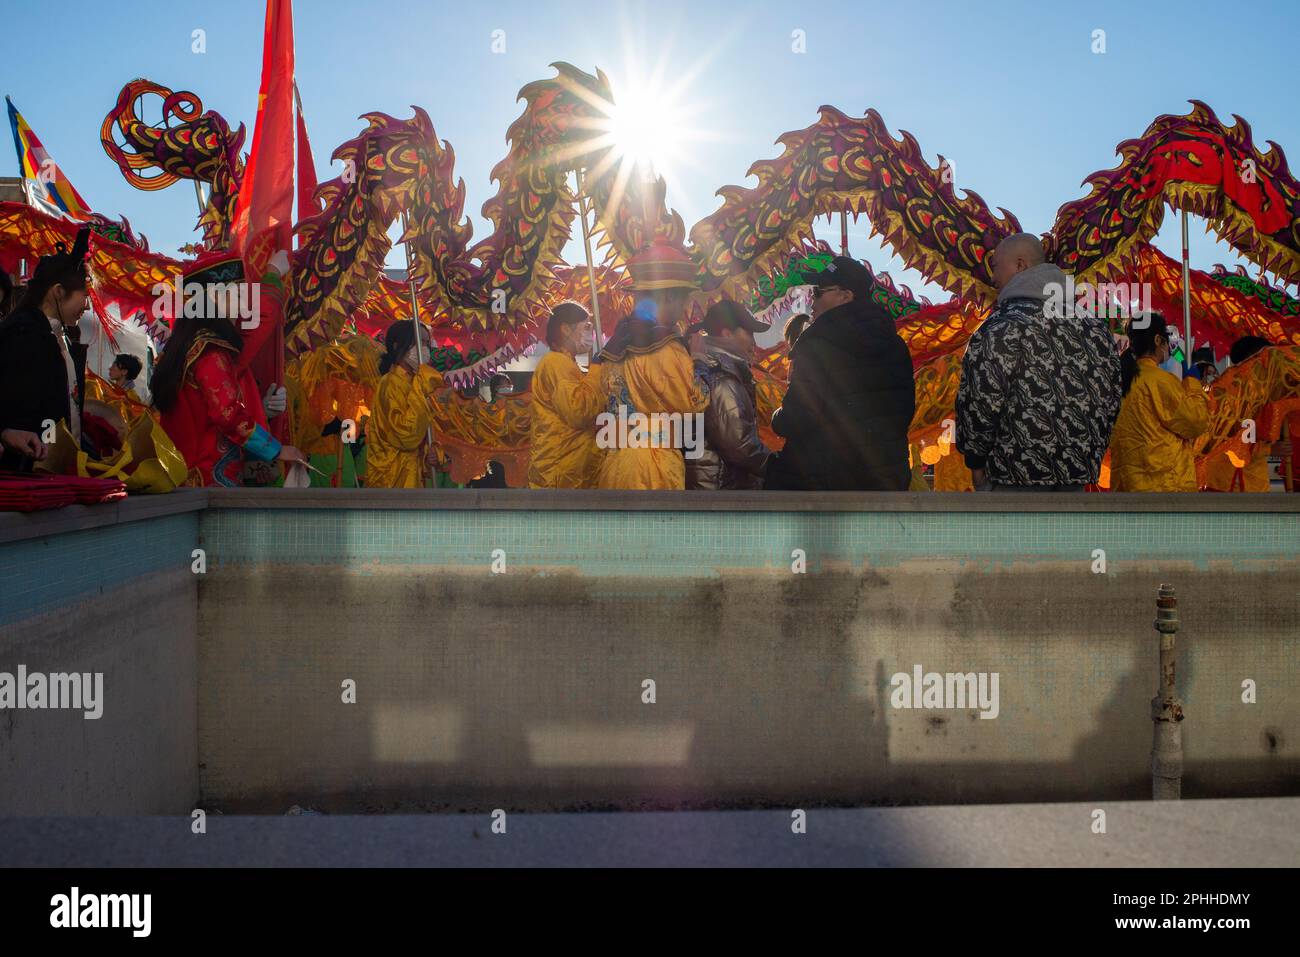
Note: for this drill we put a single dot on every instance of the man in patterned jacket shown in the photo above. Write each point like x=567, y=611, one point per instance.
x=1040, y=383
x=734, y=457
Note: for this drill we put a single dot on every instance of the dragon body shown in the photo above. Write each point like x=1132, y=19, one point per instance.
x=189, y=143
x=486, y=300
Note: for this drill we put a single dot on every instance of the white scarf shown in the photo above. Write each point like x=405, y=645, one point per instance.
x=74, y=414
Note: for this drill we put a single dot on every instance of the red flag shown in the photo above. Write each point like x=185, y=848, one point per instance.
x=266, y=196
x=307, y=205
x=263, y=225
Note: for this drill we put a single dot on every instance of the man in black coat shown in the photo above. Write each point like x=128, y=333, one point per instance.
x=40, y=370
x=851, y=397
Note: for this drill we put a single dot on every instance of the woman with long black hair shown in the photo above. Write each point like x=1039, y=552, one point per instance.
x=41, y=371
x=1160, y=418
x=397, y=446
x=209, y=400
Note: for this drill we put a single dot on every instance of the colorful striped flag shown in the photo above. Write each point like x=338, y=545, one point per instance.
x=47, y=187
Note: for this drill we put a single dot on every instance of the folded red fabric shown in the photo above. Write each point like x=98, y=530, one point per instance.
x=30, y=492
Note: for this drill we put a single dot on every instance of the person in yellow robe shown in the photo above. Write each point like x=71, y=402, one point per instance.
x=565, y=403
x=397, y=434
x=1160, y=418
x=646, y=370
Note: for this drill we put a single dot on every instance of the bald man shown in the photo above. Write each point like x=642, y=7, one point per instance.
x=1017, y=254
x=1040, y=386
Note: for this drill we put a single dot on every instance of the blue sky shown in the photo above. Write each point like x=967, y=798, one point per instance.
x=1010, y=91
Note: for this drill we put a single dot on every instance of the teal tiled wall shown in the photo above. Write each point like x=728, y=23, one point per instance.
x=41, y=574
x=700, y=543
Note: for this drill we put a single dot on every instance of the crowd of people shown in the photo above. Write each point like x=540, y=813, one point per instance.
x=1042, y=397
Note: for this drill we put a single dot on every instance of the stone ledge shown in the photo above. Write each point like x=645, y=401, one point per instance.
x=20, y=526
x=672, y=501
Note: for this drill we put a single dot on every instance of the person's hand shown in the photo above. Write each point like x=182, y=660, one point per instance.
x=26, y=443
x=290, y=454
x=275, y=401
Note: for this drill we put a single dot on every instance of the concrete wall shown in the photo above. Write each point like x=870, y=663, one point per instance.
x=74, y=602
x=524, y=689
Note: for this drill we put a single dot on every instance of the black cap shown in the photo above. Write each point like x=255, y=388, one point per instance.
x=1203, y=355
x=844, y=272
x=62, y=266
x=727, y=314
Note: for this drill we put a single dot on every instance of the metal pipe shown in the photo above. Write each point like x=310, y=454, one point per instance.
x=1166, y=706
x=415, y=302
x=591, y=269
x=415, y=317
x=1288, y=480
x=1187, y=300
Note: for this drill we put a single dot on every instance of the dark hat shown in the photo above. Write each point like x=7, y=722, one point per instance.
x=1203, y=355
x=844, y=272
x=1245, y=347
x=726, y=314
x=62, y=266
x=221, y=266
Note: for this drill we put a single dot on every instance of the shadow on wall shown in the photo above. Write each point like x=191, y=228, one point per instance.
x=527, y=691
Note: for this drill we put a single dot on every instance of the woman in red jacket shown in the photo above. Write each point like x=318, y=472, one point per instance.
x=208, y=398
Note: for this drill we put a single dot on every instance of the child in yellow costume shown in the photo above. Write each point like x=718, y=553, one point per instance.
x=646, y=369
x=565, y=402
x=397, y=434
x=1160, y=418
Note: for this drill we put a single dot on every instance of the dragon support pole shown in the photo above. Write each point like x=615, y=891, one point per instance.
x=591, y=268
x=1166, y=706
x=1187, y=300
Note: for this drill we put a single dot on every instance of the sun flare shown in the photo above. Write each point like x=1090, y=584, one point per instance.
x=643, y=125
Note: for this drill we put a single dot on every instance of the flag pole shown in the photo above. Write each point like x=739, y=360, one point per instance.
x=1187, y=299
x=591, y=269
x=844, y=233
